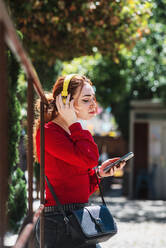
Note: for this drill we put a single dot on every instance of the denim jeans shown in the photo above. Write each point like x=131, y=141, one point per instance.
x=55, y=233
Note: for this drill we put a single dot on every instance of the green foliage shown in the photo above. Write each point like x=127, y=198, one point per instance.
x=22, y=90
x=17, y=203
x=48, y=73
x=14, y=112
x=147, y=73
x=146, y=66
x=160, y=14
x=17, y=191
x=67, y=29
x=138, y=74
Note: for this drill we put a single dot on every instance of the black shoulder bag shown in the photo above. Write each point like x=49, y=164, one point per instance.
x=90, y=224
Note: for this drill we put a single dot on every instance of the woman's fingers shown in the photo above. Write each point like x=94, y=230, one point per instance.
x=60, y=101
x=57, y=103
x=67, y=104
x=72, y=104
x=121, y=165
x=73, y=107
x=113, y=169
x=109, y=161
x=67, y=110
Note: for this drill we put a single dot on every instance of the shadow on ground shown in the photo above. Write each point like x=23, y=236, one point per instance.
x=135, y=211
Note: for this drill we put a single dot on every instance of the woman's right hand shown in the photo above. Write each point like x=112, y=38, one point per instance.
x=67, y=110
x=112, y=170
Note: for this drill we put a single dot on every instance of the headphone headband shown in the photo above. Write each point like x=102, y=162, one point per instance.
x=67, y=80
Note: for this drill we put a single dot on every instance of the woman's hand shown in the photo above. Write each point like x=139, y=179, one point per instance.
x=112, y=170
x=67, y=110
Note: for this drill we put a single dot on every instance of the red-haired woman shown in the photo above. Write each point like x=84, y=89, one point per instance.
x=70, y=156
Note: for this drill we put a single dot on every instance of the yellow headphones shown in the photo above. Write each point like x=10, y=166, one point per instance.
x=64, y=92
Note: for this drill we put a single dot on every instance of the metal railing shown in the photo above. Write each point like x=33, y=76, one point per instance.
x=9, y=38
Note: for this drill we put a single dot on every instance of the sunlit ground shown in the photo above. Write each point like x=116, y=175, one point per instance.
x=141, y=224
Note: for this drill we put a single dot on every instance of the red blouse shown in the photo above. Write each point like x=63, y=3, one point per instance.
x=69, y=162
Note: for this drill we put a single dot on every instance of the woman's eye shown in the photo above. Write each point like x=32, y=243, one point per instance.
x=85, y=100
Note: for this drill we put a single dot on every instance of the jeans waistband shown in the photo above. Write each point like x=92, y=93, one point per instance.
x=66, y=207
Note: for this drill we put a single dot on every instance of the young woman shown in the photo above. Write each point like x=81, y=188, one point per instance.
x=70, y=155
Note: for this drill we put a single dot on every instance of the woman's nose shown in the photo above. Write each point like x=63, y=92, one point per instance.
x=93, y=102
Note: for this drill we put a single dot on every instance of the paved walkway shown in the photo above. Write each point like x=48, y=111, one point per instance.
x=141, y=224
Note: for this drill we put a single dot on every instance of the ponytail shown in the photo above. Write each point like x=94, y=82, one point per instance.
x=50, y=113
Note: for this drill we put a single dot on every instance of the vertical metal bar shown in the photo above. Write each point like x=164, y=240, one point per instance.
x=30, y=114
x=42, y=172
x=4, y=166
x=30, y=111
x=131, y=146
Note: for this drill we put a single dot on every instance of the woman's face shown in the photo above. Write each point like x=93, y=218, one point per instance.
x=85, y=102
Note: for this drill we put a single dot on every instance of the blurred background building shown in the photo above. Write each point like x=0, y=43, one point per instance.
x=148, y=142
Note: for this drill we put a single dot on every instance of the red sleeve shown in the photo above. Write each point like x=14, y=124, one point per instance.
x=93, y=181
x=79, y=149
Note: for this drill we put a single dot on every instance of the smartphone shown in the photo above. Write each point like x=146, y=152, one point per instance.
x=123, y=158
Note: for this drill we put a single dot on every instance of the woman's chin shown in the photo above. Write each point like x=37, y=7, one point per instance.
x=90, y=117
x=87, y=117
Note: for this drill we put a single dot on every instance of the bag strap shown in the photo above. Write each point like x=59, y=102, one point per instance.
x=101, y=191
x=60, y=205
x=57, y=200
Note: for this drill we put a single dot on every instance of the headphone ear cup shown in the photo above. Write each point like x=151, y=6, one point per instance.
x=66, y=82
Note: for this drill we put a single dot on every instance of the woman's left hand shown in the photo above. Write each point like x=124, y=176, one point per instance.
x=113, y=169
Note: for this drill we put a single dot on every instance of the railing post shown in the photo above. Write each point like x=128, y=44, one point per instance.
x=30, y=98
x=15, y=45
x=4, y=166
x=30, y=115
x=42, y=172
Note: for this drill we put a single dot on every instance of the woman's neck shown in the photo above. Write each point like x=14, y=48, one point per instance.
x=61, y=122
